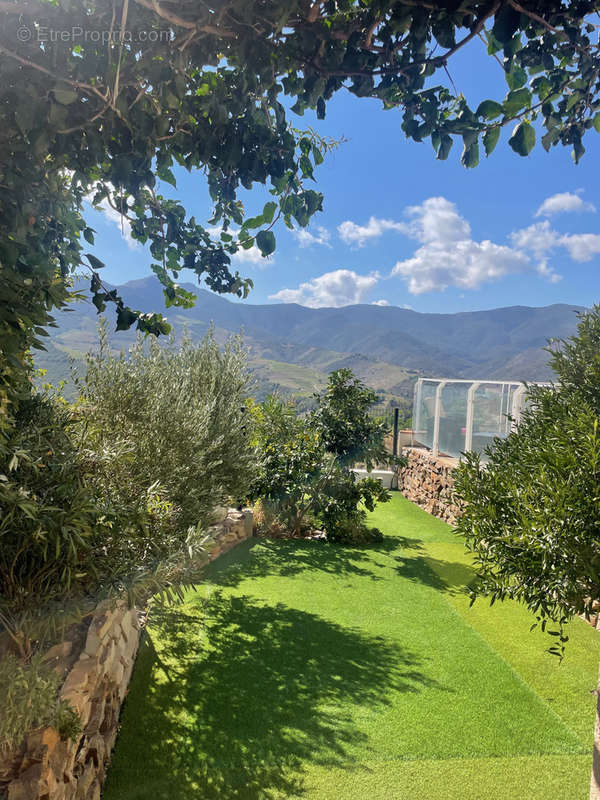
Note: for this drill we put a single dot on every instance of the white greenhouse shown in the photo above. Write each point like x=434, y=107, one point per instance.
x=453, y=416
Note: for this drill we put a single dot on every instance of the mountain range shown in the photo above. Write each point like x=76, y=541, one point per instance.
x=292, y=347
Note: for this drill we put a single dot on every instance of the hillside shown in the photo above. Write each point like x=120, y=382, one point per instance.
x=292, y=347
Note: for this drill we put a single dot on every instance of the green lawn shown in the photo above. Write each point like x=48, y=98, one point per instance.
x=302, y=669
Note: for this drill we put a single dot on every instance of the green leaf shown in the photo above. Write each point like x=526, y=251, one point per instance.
x=269, y=212
x=88, y=235
x=516, y=77
x=167, y=176
x=597, y=122
x=489, y=109
x=490, y=139
x=515, y=101
x=549, y=138
x=578, y=150
x=445, y=147
x=65, y=96
x=95, y=262
x=98, y=301
x=506, y=23
x=320, y=108
x=265, y=241
x=470, y=155
x=306, y=166
x=522, y=140
x=125, y=318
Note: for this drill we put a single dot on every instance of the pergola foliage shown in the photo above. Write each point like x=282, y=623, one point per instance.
x=100, y=100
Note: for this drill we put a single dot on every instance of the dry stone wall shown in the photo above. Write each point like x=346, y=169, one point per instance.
x=97, y=665
x=427, y=481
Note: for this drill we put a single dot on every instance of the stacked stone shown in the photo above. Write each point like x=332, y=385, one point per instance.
x=234, y=528
x=95, y=686
x=427, y=481
x=97, y=668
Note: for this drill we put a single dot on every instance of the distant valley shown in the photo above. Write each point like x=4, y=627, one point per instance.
x=292, y=348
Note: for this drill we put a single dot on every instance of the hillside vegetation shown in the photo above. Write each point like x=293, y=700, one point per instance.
x=293, y=348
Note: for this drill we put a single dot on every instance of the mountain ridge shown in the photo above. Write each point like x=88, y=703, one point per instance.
x=388, y=344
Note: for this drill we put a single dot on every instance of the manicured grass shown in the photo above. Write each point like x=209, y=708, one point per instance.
x=302, y=669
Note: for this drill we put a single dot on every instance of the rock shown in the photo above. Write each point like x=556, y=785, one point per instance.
x=219, y=514
x=78, y=678
x=59, y=651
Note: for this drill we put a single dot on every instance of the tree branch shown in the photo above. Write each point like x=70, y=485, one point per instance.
x=533, y=15
x=77, y=84
x=475, y=32
x=179, y=22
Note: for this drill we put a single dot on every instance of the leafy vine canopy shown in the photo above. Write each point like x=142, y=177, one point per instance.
x=100, y=100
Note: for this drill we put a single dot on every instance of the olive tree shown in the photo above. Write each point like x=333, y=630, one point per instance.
x=531, y=515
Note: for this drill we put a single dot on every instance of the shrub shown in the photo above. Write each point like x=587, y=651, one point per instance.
x=111, y=497
x=531, y=514
x=30, y=700
x=293, y=462
x=169, y=422
x=305, y=477
x=50, y=526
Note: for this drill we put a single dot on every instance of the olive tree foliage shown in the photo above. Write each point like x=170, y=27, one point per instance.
x=101, y=99
x=532, y=513
x=171, y=418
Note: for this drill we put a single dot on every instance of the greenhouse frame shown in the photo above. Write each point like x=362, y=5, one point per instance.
x=452, y=416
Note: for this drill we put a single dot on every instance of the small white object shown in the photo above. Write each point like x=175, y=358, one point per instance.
x=385, y=476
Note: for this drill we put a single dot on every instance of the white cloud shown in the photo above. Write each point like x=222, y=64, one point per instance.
x=380, y=303
x=563, y=202
x=548, y=272
x=306, y=239
x=436, y=220
x=448, y=256
x=113, y=216
x=540, y=239
x=252, y=256
x=342, y=287
x=581, y=246
x=359, y=235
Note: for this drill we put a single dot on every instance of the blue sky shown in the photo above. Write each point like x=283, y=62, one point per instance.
x=403, y=229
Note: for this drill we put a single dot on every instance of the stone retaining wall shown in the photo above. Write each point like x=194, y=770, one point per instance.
x=427, y=481
x=97, y=666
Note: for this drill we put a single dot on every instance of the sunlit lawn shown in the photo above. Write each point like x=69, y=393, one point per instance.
x=302, y=669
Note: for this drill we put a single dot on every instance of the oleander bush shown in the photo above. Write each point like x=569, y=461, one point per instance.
x=50, y=524
x=30, y=700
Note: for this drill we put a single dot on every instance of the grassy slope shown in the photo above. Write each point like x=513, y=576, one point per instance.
x=310, y=670
x=292, y=378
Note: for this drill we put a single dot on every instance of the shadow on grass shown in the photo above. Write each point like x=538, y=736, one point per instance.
x=242, y=694
x=289, y=557
x=452, y=577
